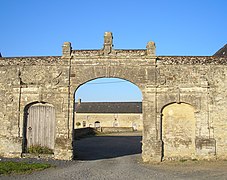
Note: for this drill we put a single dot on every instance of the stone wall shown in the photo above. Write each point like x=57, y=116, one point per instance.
x=198, y=81
x=115, y=129
x=134, y=121
x=26, y=81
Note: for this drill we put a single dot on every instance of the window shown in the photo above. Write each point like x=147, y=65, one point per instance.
x=84, y=123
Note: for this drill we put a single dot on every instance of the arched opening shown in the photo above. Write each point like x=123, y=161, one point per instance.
x=110, y=106
x=178, y=131
x=97, y=124
x=39, y=128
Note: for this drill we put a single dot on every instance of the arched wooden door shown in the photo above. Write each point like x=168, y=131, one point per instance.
x=41, y=125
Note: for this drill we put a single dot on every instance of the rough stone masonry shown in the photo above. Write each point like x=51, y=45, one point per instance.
x=184, y=100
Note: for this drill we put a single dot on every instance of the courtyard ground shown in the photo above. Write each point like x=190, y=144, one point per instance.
x=118, y=157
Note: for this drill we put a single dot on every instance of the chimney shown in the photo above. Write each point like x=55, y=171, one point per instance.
x=79, y=101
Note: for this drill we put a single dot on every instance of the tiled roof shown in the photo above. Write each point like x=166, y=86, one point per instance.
x=222, y=51
x=108, y=107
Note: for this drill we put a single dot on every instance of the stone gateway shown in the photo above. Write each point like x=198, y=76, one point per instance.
x=184, y=100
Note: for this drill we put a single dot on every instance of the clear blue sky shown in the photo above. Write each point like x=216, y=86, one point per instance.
x=178, y=27
x=109, y=89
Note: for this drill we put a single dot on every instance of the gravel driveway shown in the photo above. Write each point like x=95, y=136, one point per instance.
x=119, y=158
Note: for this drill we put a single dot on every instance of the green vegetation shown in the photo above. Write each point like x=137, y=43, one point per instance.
x=37, y=149
x=7, y=168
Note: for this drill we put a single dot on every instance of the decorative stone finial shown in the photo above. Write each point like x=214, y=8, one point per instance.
x=151, y=48
x=108, y=43
x=66, y=49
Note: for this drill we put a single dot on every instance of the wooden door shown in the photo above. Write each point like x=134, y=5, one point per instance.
x=41, y=125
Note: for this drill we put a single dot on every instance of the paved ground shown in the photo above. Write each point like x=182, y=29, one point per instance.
x=118, y=158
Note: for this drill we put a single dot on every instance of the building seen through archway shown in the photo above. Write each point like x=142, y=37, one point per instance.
x=114, y=104
x=109, y=108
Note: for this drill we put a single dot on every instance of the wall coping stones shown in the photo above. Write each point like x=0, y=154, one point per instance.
x=200, y=60
x=129, y=53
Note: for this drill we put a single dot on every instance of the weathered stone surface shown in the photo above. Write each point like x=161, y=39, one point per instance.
x=178, y=131
x=199, y=81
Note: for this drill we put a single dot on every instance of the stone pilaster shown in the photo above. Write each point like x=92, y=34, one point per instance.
x=151, y=48
x=66, y=50
x=108, y=43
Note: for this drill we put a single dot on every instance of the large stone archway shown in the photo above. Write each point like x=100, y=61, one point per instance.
x=126, y=69
x=199, y=81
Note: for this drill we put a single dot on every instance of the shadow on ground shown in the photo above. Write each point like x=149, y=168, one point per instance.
x=104, y=147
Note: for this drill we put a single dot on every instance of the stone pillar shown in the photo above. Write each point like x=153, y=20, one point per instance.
x=152, y=144
x=63, y=149
x=108, y=43
x=151, y=48
x=66, y=50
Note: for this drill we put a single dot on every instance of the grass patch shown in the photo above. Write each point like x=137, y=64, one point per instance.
x=37, y=149
x=7, y=168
